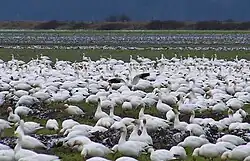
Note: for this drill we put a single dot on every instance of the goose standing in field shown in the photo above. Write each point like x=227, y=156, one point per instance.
x=129, y=148
x=93, y=149
x=112, y=115
x=26, y=141
x=12, y=117
x=22, y=110
x=52, y=124
x=178, y=152
x=170, y=115
x=29, y=127
x=99, y=113
x=193, y=142
x=68, y=124
x=161, y=107
x=73, y=110
x=144, y=137
x=152, y=122
x=209, y=151
x=22, y=153
x=232, y=139
x=238, y=153
x=177, y=124
x=161, y=154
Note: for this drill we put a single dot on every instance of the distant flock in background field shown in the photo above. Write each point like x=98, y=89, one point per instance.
x=175, y=87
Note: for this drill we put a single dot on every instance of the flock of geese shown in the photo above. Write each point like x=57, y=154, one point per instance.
x=174, y=87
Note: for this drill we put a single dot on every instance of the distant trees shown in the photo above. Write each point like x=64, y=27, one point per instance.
x=121, y=22
x=164, y=25
x=118, y=18
x=49, y=25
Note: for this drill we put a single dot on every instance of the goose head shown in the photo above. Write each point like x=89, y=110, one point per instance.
x=195, y=153
x=9, y=109
x=226, y=155
x=66, y=105
x=84, y=152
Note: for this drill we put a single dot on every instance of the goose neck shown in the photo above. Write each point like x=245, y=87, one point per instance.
x=99, y=108
x=123, y=136
x=192, y=117
x=111, y=112
x=176, y=120
x=135, y=130
x=141, y=113
x=17, y=147
x=144, y=129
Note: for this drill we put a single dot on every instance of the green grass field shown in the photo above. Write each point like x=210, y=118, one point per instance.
x=132, y=31
x=75, y=55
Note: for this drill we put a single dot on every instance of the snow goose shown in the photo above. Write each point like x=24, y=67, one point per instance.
x=193, y=142
x=185, y=107
x=93, y=149
x=73, y=110
x=126, y=159
x=152, y=122
x=26, y=141
x=162, y=107
x=179, y=152
x=68, y=124
x=129, y=148
x=134, y=134
x=7, y=155
x=4, y=147
x=105, y=122
x=144, y=137
x=126, y=106
x=22, y=153
x=195, y=129
x=112, y=115
x=234, y=103
x=232, y=139
x=99, y=113
x=12, y=117
x=209, y=151
x=160, y=154
x=177, y=124
x=52, y=124
x=29, y=127
x=22, y=110
x=170, y=115
x=27, y=100
x=238, y=153
x=97, y=159
x=40, y=157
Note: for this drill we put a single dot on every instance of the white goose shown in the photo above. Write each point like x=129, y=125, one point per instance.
x=12, y=117
x=162, y=107
x=93, y=149
x=26, y=141
x=129, y=148
x=99, y=113
x=73, y=110
x=52, y=124
x=177, y=124
x=160, y=155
